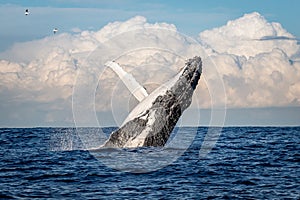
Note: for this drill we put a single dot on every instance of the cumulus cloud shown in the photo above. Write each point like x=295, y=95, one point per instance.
x=256, y=72
x=253, y=57
x=267, y=79
x=243, y=37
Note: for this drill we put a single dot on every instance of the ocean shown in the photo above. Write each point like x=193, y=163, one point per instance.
x=244, y=163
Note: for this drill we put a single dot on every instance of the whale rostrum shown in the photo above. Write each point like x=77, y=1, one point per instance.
x=152, y=121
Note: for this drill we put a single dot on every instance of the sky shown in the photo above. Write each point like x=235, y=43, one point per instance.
x=190, y=17
x=253, y=45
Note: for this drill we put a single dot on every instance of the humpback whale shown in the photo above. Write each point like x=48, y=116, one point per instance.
x=152, y=121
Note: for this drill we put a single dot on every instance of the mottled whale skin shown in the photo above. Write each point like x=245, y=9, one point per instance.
x=151, y=122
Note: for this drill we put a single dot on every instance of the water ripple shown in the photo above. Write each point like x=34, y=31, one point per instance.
x=246, y=163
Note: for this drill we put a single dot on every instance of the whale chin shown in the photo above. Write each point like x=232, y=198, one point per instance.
x=152, y=121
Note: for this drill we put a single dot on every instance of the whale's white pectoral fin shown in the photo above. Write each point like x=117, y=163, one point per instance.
x=133, y=86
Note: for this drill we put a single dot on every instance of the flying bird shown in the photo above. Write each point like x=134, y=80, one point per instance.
x=55, y=30
x=26, y=12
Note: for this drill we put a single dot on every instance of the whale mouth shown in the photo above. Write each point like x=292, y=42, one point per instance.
x=151, y=122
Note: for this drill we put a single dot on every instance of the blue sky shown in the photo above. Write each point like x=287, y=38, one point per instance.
x=190, y=17
x=73, y=16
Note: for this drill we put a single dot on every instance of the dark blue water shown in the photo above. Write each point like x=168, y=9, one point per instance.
x=246, y=163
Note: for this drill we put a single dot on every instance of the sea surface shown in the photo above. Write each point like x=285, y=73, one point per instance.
x=244, y=163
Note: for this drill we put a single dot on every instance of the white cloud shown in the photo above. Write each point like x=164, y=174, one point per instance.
x=256, y=69
x=267, y=79
x=243, y=36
